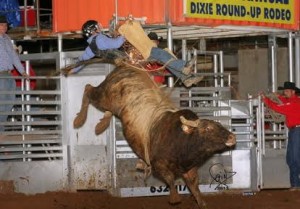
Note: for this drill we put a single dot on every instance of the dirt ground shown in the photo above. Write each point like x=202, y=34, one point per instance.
x=267, y=199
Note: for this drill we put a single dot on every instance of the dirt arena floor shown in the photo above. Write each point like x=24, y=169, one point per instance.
x=267, y=199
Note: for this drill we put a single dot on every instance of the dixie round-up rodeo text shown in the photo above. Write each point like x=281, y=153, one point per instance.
x=253, y=12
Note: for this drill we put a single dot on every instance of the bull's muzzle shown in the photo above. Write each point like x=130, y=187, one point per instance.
x=231, y=140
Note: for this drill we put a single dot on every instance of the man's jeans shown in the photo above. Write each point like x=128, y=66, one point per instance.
x=293, y=156
x=6, y=84
x=175, y=66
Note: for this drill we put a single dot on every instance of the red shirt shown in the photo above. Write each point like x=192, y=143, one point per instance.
x=152, y=67
x=14, y=72
x=290, y=107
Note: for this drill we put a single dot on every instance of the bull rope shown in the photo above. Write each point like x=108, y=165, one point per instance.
x=145, y=70
x=155, y=70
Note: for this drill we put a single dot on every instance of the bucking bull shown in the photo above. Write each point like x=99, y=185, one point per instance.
x=172, y=142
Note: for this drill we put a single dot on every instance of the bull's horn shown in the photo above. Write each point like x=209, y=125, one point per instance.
x=192, y=123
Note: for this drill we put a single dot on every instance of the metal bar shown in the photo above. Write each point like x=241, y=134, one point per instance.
x=273, y=69
x=46, y=92
x=30, y=156
x=116, y=12
x=170, y=46
x=263, y=127
x=183, y=47
x=9, y=133
x=195, y=66
x=297, y=61
x=215, y=60
x=32, y=102
x=33, y=123
x=25, y=15
x=59, y=43
x=32, y=112
x=39, y=56
x=259, y=144
x=291, y=57
x=41, y=148
x=38, y=15
x=221, y=67
x=272, y=61
x=37, y=141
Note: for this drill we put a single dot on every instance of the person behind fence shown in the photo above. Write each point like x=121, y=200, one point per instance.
x=9, y=58
x=290, y=107
x=108, y=48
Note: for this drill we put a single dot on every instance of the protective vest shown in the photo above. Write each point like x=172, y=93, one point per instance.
x=94, y=48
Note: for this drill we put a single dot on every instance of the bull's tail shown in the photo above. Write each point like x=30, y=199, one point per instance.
x=104, y=123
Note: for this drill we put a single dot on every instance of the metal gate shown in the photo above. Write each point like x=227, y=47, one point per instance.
x=273, y=171
x=31, y=145
x=40, y=150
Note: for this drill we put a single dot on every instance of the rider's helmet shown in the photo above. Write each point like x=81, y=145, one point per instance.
x=89, y=27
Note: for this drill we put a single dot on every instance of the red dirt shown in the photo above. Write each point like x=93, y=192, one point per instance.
x=268, y=199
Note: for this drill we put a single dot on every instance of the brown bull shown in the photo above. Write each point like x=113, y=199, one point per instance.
x=175, y=143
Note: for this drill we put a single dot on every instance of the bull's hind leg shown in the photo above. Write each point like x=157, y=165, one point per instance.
x=192, y=180
x=81, y=116
x=104, y=123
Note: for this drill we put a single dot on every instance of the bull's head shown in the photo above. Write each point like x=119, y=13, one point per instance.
x=208, y=128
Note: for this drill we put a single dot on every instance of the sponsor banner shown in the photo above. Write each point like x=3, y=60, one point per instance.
x=239, y=12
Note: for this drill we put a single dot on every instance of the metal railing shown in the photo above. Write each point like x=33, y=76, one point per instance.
x=43, y=16
x=33, y=128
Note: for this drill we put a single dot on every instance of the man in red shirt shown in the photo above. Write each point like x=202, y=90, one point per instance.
x=290, y=107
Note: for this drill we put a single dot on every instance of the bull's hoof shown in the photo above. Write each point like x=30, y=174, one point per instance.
x=202, y=205
x=79, y=121
x=104, y=123
x=175, y=202
x=141, y=165
x=100, y=128
x=176, y=199
x=147, y=172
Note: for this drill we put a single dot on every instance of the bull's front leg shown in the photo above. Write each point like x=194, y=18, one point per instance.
x=174, y=196
x=192, y=180
x=82, y=115
x=161, y=169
